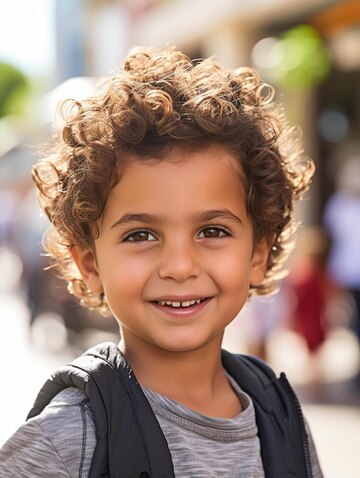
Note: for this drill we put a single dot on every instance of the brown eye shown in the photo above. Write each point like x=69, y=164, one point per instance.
x=140, y=236
x=212, y=232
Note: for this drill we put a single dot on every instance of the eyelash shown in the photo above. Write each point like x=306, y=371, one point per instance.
x=129, y=237
x=223, y=232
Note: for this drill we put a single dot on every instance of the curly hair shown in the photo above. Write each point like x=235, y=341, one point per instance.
x=159, y=100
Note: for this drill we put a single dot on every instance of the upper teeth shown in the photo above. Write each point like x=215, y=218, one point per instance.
x=185, y=303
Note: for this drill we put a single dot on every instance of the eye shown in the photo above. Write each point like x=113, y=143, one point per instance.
x=213, y=232
x=140, y=236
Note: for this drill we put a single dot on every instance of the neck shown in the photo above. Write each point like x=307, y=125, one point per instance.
x=176, y=374
x=194, y=378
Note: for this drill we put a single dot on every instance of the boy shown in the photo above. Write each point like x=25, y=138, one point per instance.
x=172, y=192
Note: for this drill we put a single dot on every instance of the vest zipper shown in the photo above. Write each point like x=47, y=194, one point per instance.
x=304, y=438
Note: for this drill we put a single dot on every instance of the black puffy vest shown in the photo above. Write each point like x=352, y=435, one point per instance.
x=130, y=442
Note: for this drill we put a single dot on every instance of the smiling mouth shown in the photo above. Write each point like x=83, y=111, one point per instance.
x=180, y=304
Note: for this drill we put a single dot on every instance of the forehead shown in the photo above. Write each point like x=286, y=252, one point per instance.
x=178, y=185
x=178, y=161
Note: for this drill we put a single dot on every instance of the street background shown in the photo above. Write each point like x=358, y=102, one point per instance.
x=309, y=50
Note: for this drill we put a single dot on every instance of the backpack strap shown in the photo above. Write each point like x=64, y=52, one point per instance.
x=284, y=446
x=130, y=441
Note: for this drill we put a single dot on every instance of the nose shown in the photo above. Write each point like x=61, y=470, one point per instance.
x=179, y=261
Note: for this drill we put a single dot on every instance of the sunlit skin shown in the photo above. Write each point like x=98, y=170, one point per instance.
x=177, y=231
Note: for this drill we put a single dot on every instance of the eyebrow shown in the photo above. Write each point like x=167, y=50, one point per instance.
x=137, y=217
x=200, y=217
x=218, y=213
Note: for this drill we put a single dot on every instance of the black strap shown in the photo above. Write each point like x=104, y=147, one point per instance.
x=130, y=441
x=277, y=418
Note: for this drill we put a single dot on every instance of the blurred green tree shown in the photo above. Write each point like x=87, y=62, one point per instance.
x=305, y=58
x=14, y=88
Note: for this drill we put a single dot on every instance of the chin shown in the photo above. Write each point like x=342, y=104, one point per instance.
x=185, y=345
x=180, y=348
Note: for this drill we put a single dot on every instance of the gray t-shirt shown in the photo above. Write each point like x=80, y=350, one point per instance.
x=208, y=447
x=60, y=441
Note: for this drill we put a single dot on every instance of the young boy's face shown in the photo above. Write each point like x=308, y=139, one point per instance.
x=175, y=255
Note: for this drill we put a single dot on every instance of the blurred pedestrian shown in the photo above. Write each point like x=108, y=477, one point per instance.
x=342, y=220
x=311, y=290
x=311, y=286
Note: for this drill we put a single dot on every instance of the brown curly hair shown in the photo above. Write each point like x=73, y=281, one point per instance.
x=158, y=100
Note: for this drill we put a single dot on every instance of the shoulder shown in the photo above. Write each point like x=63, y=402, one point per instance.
x=58, y=442
x=65, y=405
x=67, y=414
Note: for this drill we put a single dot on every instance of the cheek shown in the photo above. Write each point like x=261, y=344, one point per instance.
x=232, y=272
x=126, y=276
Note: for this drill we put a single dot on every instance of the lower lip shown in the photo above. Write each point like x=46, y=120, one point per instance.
x=182, y=311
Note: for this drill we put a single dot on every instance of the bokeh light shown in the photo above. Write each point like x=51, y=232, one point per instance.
x=297, y=59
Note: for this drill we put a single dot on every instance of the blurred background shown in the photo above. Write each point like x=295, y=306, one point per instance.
x=310, y=51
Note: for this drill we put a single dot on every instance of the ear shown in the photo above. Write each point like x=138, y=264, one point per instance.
x=259, y=261
x=86, y=262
